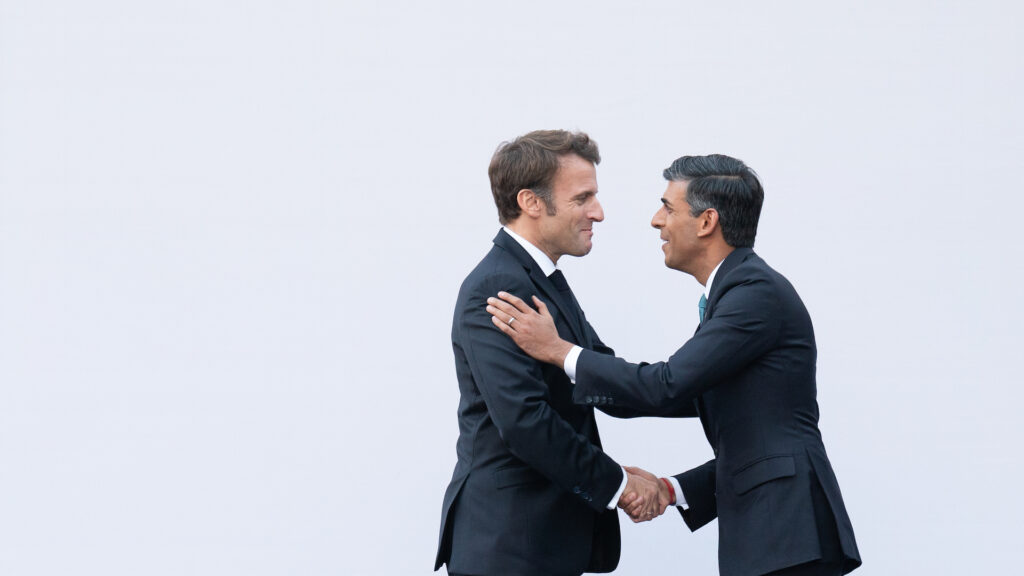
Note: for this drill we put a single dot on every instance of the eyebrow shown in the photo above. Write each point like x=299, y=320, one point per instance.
x=666, y=202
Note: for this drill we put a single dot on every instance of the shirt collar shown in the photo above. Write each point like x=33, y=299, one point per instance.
x=546, y=265
x=711, y=278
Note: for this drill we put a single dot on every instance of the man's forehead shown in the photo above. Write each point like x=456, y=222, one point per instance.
x=577, y=173
x=574, y=162
x=675, y=193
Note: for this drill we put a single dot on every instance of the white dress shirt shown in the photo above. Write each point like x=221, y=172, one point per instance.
x=548, y=268
x=569, y=365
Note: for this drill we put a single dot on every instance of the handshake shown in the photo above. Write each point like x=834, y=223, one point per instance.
x=646, y=496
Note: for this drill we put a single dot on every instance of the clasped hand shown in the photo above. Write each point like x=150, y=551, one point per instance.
x=645, y=497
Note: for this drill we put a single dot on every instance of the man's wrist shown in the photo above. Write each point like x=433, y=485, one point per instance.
x=560, y=351
x=667, y=491
x=680, y=496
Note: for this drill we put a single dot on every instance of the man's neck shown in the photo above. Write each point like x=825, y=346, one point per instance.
x=710, y=261
x=545, y=262
x=532, y=236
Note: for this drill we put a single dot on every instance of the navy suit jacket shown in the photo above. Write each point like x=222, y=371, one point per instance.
x=749, y=373
x=531, y=485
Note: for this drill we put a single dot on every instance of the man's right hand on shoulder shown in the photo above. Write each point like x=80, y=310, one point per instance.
x=532, y=330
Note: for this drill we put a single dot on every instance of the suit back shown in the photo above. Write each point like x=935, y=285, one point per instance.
x=531, y=482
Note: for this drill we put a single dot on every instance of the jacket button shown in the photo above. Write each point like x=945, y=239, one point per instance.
x=589, y=400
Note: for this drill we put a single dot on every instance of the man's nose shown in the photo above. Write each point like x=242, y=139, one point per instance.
x=596, y=211
x=658, y=221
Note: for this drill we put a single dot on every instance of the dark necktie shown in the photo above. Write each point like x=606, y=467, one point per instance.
x=572, y=311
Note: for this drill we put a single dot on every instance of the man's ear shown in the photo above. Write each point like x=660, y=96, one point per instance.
x=530, y=203
x=707, y=223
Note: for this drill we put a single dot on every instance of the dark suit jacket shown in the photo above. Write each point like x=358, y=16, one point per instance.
x=749, y=372
x=531, y=485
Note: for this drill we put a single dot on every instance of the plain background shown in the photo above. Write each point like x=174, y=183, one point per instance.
x=232, y=233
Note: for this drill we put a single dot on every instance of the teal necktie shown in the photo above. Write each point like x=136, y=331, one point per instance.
x=702, y=305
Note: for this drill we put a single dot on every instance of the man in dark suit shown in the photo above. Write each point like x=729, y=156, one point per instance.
x=748, y=373
x=532, y=492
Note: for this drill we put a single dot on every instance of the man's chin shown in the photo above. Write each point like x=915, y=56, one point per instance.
x=674, y=266
x=581, y=249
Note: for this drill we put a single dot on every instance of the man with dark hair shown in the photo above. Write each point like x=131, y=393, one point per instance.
x=748, y=373
x=532, y=492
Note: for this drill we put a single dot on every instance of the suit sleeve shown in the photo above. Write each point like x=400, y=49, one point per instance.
x=744, y=326
x=687, y=411
x=698, y=487
x=601, y=348
x=517, y=398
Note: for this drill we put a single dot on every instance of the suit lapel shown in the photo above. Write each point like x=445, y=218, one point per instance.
x=717, y=288
x=509, y=244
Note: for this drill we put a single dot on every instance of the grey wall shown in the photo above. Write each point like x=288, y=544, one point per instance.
x=231, y=235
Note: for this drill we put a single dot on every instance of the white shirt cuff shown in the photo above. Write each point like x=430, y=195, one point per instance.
x=622, y=488
x=570, y=370
x=680, y=498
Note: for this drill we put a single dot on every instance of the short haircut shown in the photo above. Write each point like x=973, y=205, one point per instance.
x=531, y=161
x=727, y=185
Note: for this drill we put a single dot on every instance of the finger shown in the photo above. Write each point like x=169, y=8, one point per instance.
x=640, y=511
x=655, y=510
x=541, y=306
x=652, y=510
x=637, y=471
x=501, y=316
x=505, y=307
x=515, y=301
x=647, y=508
x=503, y=326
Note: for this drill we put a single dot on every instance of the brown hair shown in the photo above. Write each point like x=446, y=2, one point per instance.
x=531, y=161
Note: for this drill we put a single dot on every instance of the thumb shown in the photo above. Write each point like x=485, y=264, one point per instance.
x=541, y=306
